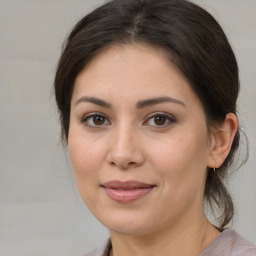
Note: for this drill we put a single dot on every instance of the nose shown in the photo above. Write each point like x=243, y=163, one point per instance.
x=125, y=149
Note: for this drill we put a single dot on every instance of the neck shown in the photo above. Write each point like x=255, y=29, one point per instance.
x=178, y=240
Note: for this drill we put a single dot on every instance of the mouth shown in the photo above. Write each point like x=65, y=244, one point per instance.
x=127, y=191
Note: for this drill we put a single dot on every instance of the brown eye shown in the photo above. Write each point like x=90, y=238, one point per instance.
x=95, y=120
x=99, y=120
x=160, y=120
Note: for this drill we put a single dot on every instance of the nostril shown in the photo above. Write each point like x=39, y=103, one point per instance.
x=132, y=163
x=112, y=163
x=124, y=158
x=123, y=165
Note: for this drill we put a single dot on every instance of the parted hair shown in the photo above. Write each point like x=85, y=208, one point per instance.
x=193, y=41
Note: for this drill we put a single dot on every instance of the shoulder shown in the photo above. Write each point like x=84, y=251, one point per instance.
x=229, y=243
x=241, y=246
x=102, y=250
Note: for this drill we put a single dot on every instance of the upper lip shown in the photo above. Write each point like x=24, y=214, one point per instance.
x=130, y=184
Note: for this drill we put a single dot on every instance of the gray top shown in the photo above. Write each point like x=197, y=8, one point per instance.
x=228, y=243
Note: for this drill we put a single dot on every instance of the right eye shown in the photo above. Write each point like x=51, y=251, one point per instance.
x=95, y=120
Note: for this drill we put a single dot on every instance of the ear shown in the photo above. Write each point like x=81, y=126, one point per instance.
x=221, y=140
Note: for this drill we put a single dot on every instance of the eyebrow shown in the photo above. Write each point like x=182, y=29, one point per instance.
x=139, y=105
x=158, y=100
x=94, y=100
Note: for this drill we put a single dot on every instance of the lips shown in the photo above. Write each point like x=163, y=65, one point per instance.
x=128, y=191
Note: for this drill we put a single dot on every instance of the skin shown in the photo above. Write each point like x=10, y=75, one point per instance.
x=127, y=143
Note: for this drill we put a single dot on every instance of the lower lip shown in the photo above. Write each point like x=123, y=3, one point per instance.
x=127, y=196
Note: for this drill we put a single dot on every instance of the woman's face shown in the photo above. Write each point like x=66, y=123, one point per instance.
x=138, y=141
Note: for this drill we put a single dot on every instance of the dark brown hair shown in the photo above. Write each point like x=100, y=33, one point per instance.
x=194, y=42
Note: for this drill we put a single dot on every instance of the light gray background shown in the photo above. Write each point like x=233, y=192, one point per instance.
x=41, y=213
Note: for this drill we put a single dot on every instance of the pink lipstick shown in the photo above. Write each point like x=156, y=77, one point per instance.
x=127, y=191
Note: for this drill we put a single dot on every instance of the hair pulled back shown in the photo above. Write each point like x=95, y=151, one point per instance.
x=194, y=42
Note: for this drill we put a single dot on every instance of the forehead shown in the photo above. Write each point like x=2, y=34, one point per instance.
x=132, y=71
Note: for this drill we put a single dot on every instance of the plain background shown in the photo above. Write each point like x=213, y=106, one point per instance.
x=41, y=212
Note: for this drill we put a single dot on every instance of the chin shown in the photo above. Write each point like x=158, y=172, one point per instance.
x=127, y=224
x=129, y=230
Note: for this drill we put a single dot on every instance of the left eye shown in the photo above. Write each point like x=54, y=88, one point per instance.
x=160, y=120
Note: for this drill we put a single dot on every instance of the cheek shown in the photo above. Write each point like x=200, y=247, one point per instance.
x=182, y=171
x=85, y=164
x=181, y=160
x=85, y=160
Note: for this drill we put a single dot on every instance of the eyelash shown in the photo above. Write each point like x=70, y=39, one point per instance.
x=168, y=118
x=84, y=119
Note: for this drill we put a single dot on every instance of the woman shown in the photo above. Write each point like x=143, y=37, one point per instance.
x=147, y=91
